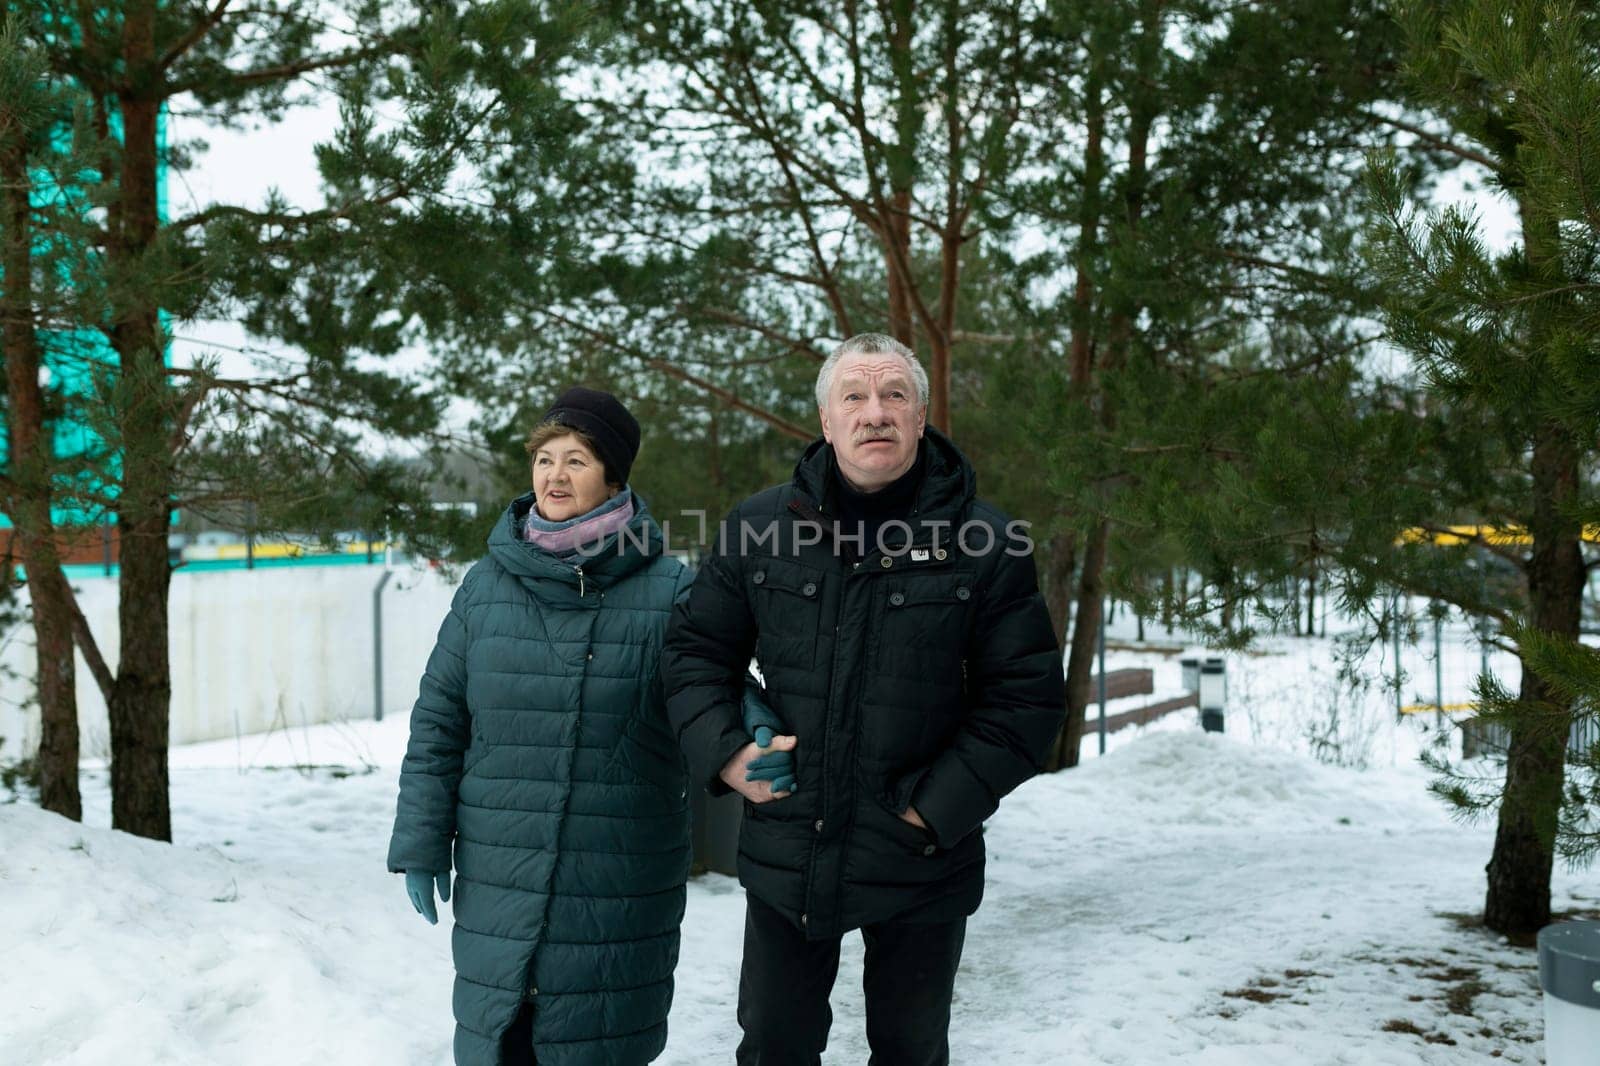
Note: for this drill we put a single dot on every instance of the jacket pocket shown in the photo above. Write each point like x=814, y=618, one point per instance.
x=928, y=616
x=915, y=839
x=786, y=600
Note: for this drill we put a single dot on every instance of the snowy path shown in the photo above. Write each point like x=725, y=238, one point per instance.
x=1188, y=899
x=1231, y=905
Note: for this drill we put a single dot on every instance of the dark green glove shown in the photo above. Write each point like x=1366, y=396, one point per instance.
x=419, y=887
x=762, y=725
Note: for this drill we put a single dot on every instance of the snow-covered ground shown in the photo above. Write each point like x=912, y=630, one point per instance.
x=1189, y=898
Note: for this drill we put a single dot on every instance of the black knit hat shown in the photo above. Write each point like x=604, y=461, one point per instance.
x=601, y=417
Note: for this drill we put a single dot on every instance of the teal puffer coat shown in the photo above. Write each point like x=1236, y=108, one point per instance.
x=541, y=753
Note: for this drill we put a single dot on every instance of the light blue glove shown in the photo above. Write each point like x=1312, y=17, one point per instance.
x=762, y=725
x=419, y=886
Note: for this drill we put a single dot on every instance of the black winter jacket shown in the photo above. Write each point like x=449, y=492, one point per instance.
x=929, y=677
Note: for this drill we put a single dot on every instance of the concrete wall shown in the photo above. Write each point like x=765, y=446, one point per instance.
x=252, y=650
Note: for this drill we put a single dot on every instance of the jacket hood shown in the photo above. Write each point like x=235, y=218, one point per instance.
x=617, y=556
x=948, y=486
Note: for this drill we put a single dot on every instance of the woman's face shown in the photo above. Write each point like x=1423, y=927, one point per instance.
x=567, y=479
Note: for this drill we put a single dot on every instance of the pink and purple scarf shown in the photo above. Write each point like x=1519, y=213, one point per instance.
x=586, y=531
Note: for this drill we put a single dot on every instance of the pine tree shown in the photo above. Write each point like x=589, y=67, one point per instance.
x=1507, y=344
x=34, y=170
x=1361, y=468
x=1193, y=254
x=480, y=122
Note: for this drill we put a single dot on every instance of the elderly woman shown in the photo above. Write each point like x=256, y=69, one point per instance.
x=541, y=756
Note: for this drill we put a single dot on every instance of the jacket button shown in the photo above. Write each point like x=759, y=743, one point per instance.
x=929, y=850
x=802, y=920
x=887, y=562
x=810, y=588
x=760, y=578
x=897, y=598
x=532, y=992
x=818, y=825
x=963, y=593
x=940, y=553
x=589, y=656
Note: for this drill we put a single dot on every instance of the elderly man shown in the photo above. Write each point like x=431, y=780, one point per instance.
x=908, y=655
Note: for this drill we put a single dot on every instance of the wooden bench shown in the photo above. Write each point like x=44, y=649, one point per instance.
x=1120, y=684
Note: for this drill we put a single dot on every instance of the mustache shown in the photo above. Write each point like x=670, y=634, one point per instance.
x=875, y=434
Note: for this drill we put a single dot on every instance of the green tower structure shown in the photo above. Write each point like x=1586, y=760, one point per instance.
x=73, y=354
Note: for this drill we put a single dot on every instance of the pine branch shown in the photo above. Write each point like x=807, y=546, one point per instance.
x=728, y=397
x=196, y=33
x=286, y=220
x=1304, y=274
x=962, y=336
x=1438, y=141
x=1502, y=550
x=400, y=190
x=675, y=241
x=290, y=71
x=1204, y=448
x=83, y=636
x=794, y=344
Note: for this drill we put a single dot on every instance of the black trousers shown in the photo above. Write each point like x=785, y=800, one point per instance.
x=784, y=982
x=516, y=1043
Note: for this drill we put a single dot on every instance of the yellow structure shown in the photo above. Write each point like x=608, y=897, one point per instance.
x=1433, y=708
x=278, y=550
x=1451, y=536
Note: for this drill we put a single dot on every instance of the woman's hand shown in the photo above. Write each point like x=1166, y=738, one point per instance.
x=775, y=764
x=737, y=775
x=419, y=886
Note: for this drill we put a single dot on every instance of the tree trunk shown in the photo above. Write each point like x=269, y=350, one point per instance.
x=1167, y=588
x=1073, y=624
x=1087, y=620
x=1518, y=900
x=897, y=250
x=942, y=329
x=1311, y=601
x=900, y=157
x=715, y=439
x=142, y=694
x=49, y=600
x=1058, y=561
x=939, y=378
x=31, y=460
x=1091, y=585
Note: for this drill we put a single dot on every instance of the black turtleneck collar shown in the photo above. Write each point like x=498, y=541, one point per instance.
x=868, y=511
x=895, y=498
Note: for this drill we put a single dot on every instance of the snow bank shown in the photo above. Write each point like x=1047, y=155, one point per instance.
x=119, y=949
x=1195, y=778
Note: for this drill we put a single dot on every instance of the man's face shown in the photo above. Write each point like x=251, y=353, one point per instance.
x=872, y=419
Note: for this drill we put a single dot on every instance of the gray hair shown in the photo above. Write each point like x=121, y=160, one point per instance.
x=871, y=344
